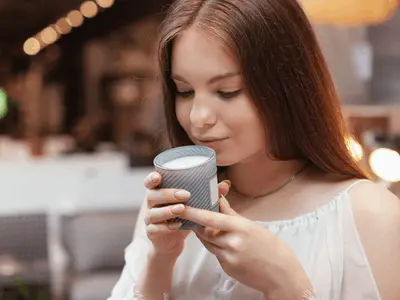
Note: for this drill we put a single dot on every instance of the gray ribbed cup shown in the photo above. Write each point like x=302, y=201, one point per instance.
x=200, y=180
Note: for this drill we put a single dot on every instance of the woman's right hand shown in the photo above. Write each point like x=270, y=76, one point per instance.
x=163, y=205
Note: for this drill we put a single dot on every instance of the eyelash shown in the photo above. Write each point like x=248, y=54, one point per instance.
x=229, y=95
x=224, y=95
x=184, y=94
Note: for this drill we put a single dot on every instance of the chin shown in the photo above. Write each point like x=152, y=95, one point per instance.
x=227, y=158
x=224, y=161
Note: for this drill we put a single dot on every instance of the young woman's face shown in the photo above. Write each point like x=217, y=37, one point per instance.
x=212, y=104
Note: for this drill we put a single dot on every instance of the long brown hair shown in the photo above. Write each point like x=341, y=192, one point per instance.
x=283, y=70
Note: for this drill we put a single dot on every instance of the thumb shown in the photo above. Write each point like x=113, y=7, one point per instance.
x=225, y=207
x=223, y=187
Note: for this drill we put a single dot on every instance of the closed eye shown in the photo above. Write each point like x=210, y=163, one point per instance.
x=229, y=95
x=185, y=94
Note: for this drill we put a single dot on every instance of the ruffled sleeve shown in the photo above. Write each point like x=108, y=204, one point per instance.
x=135, y=260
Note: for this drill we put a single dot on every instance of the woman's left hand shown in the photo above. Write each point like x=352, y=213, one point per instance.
x=250, y=253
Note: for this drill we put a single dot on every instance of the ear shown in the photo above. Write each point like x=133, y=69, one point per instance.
x=225, y=207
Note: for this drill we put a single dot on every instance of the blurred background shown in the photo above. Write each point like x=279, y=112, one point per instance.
x=81, y=121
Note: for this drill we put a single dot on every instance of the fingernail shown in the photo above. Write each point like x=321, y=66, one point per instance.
x=178, y=209
x=182, y=195
x=154, y=178
x=228, y=182
x=174, y=226
x=215, y=232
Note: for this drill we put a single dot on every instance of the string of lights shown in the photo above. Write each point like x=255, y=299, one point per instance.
x=63, y=26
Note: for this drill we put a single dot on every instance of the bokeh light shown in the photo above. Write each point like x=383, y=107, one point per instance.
x=3, y=103
x=31, y=46
x=62, y=26
x=75, y=18
x=385, y=163
x=89, y=9
x=49, y=35
x=105, y=3
x=355, y=148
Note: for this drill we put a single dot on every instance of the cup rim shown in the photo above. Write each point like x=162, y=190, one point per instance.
x=157, y=165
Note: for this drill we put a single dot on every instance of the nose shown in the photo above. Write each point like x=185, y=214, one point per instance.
x=202, y=116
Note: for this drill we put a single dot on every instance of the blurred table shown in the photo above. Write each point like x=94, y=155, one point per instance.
x=74, y=182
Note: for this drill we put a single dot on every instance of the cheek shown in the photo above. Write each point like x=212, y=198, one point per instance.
x=259, y=137
x=258, y=131
x=250, y=129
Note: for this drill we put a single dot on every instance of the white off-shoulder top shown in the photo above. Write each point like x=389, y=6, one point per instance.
x=326, y=242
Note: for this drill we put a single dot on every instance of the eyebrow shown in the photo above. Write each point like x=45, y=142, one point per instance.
x=212, y=80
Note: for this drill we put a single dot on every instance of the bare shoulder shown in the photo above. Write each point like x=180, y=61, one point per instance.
x=377, y=217
x=375, y=200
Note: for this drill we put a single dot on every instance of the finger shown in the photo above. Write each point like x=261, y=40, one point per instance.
x=161, y=214
x=211, y=219
x=154, y=230
x=166, y=196
x=207, y=232
x=152, y=180
x=225, y=207
x=214, y=249
x=213, y=236
x=224, y=187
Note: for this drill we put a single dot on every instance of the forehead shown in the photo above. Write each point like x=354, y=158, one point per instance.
x=197, y=54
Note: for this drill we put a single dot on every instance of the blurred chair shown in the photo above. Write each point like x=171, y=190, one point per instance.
x=24, y=259
x=95, y=244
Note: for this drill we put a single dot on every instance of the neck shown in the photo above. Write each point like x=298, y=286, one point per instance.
x=261, y=175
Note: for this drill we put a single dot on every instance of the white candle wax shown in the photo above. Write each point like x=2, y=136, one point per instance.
x=185, y=162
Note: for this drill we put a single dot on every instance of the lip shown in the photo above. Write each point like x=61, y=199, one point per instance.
x=211, y=141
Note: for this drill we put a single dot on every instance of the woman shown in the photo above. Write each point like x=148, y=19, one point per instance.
x=246, y=77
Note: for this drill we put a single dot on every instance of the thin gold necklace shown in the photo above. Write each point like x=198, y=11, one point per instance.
x=295, y=175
